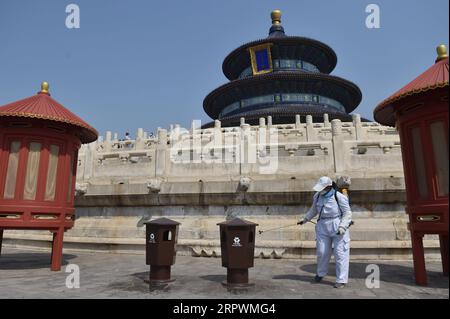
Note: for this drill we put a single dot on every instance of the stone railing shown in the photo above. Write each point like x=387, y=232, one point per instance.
x=358, y=149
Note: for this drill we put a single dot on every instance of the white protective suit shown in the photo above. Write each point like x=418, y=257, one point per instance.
x=327, y=239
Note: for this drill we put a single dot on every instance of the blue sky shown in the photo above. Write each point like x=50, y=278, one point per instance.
x=150, y=63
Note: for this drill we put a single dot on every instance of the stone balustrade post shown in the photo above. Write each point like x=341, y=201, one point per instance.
x=338, y=146
x=358, y=127
x=218, y=139
x=297, y=121
x=269, y=121
x=107, y=144
x=247, y=153
x=311, y=134
x=140, y=143
x=262, y=122
x=326, y=120
x=161, y=153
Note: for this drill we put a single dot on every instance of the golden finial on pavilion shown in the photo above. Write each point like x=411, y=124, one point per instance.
x=276, y=17
x=44, y=87
x=442, y=52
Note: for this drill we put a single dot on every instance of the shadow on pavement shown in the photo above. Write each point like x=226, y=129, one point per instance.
x=19, y=261
x=392, y=273
x=214, y=278
x=307, y=279
x=142, y=275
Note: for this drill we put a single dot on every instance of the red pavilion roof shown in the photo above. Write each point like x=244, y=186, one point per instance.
x=433, y=78
x=42, y=106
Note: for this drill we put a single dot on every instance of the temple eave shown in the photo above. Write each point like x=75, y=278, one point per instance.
x=330, y=86
x=284, y=116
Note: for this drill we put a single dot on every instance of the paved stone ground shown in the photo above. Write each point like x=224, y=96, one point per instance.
x=26, y=274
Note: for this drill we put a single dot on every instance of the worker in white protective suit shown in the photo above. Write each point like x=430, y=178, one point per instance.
x=332, y=234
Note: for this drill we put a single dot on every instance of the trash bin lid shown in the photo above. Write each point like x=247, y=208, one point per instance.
x=162, y=221
x=238, y=222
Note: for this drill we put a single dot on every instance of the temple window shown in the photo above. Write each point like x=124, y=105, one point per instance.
x=11, y=174
x=32, y=171
x=419, y=162
x=309, y=67
x=440, y=150
x=258, y=100
x=50, y=187
x=284, y=64
x=285, y=97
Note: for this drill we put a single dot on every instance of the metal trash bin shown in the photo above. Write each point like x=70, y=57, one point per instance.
x=161, y=239
x=237, y=241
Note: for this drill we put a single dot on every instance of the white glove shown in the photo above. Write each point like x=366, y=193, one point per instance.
x=341, y=230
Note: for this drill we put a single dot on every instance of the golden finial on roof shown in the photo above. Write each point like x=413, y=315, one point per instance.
x=442, y=52
x=44, y=87
x=276, y=16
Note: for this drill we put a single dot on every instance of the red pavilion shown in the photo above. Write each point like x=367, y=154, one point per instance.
x=39, y=142
x=420, y=113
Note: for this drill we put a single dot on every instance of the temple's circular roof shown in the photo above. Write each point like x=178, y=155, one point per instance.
x=286, y=47
x=347, y=93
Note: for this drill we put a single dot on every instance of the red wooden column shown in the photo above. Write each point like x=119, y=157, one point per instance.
x=443, y=239
x=1, y=240
x=57, y=246
x=420, y=271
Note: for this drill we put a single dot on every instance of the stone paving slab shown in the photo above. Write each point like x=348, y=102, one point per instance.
x=26, y=274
